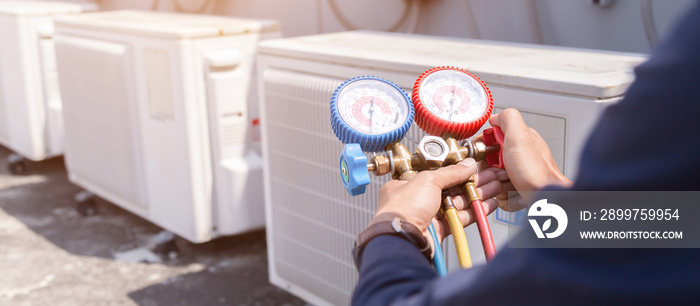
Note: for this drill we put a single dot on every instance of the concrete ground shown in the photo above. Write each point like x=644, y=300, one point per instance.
x=52, y=255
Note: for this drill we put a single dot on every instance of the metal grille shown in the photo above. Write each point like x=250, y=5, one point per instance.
x=233, y=133
x=314, y=220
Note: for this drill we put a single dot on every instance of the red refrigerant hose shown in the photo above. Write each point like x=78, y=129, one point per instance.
x=484, y=229
x=492, y=137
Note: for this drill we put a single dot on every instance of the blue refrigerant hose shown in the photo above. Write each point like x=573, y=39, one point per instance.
x=438, y=259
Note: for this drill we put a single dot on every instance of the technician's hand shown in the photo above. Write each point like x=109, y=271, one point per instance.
x=526, y=156
x=491, y=183
x=417, y=201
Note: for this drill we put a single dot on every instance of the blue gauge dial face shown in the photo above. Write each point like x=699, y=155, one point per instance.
x=454, y=96
x=372, y=107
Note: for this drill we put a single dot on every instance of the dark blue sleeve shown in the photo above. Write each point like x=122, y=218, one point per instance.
x=648, y=141
x=651, y=139
x=391, y=267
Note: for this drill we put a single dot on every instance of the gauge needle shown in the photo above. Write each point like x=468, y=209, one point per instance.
x=452, y=102
x=371, y=114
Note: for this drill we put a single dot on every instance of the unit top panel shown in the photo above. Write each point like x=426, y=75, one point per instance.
x=582, y=72
x=16, y=8
x=166, y=25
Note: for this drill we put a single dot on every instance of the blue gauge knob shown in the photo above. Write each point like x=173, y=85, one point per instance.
x=353, y=169
x=371, y=112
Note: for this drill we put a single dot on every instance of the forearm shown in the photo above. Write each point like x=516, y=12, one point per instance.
x=392, y=268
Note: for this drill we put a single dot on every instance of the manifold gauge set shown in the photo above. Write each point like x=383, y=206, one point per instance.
x=371, y=115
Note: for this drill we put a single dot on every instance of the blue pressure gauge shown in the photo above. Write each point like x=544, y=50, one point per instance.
x=371, y=112
x=367, y=114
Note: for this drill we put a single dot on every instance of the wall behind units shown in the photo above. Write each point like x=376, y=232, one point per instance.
x=573, y=23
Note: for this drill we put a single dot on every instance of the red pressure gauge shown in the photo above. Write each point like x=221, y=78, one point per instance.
x=451, y=102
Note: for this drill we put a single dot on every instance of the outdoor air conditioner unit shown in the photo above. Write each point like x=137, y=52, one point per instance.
x=161, y=116
x=30, y=103
x=311, y=220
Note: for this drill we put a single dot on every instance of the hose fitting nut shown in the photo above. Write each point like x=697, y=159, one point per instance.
x=432, y=152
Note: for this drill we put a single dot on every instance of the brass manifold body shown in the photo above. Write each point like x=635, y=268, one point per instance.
x=432, y=153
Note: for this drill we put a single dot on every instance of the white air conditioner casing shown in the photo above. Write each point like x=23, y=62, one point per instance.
x=161, y=116
x=311, y=220
x=30, y=103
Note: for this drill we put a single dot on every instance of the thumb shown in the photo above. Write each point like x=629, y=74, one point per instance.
x=509, y=119
x=449, y=176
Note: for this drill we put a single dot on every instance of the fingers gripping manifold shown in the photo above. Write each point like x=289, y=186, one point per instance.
x=432, y=153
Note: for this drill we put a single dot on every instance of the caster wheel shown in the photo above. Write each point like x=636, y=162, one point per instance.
x=165, y=246
x=87, y=208
x=85, y=203
x=167, y=250
x=17, y=168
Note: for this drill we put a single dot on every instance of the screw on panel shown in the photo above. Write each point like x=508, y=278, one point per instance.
x=602, y=3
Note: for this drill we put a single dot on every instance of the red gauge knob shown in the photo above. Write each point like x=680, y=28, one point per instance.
x=451, y=102
x=494, y=137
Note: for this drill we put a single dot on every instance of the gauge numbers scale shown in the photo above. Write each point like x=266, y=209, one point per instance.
x=454, y=96
x=372, y=107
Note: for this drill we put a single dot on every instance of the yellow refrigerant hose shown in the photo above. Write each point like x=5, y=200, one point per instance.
x=463, y=256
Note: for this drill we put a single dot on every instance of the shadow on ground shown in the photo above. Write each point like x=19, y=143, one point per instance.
x=55, y=255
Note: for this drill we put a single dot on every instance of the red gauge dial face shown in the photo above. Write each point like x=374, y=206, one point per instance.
x=372, y=107
x=454, y=96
